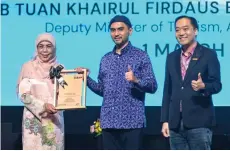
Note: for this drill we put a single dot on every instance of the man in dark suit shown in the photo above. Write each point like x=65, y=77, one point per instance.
x=192, y=76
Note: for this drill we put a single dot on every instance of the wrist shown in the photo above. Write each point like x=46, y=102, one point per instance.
x=203, y=86
x=165, y=123
x=136, y=80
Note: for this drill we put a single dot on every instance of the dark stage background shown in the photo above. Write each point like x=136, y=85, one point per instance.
x=77, y=124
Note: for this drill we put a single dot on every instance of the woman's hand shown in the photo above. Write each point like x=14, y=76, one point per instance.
x=49, y=108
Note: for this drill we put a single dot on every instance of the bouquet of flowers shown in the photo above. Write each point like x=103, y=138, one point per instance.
x=96, y=128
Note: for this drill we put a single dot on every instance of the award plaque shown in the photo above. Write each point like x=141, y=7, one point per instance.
x=73, y=94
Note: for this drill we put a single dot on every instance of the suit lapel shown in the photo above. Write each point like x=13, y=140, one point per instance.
x=177, y=64
x=194, y=60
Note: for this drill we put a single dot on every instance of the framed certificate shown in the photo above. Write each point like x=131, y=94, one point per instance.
x=73, y=94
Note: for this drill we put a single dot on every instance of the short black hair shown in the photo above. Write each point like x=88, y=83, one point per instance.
x=192, y=20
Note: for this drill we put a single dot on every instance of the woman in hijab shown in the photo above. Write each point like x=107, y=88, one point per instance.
x=43, y=125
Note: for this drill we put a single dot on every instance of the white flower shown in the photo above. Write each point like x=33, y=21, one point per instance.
x=92, y=130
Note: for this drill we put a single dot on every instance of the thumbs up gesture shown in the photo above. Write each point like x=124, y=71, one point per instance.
x=129, y=76
x=198, y=84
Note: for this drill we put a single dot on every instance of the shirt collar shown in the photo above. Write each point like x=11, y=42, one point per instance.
x=190, y=52
x=124, y=50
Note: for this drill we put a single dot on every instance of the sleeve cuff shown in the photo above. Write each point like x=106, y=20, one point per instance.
x=205, y=91
x=138, y=85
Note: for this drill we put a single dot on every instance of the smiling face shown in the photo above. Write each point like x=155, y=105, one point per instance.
x=120, y=33
x=185, y=32
x=46, y=51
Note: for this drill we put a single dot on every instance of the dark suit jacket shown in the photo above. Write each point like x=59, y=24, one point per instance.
x=197, y=106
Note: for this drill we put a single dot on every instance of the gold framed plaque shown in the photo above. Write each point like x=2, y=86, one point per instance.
x=73, y=94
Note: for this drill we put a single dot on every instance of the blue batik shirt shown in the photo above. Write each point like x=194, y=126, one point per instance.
x=123, y=104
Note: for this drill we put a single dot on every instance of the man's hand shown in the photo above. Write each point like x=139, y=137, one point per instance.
x=165, y=129
x=198, y=84
x=80, y=70
x=129, y=76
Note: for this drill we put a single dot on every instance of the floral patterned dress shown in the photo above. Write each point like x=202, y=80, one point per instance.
x=41, y=131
